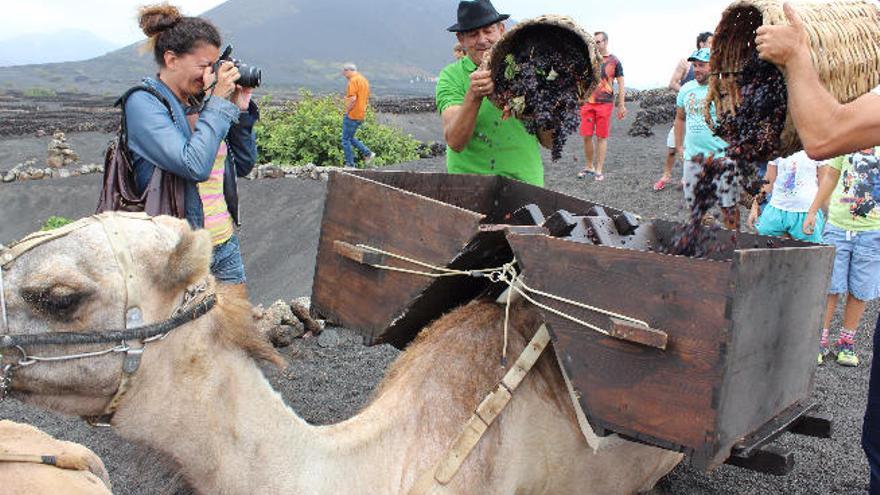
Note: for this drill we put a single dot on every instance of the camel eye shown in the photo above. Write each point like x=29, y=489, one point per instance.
x=58, y=302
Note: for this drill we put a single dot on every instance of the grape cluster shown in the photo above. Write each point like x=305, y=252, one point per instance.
x=753, y=133
x=540, y=84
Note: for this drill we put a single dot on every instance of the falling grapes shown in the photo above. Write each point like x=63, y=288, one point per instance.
x=753, y=136
x=753, y=133
x=540, y=83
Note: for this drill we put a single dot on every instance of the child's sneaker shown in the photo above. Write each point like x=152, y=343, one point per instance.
x=846, y=355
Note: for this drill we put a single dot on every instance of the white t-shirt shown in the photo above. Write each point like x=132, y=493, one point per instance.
x=796, y=184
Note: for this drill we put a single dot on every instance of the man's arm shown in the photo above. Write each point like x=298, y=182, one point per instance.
x=459, y=121
x=826, y=187
x=349, y=102
x=826, y=127
x=679, y=132
x=678, y=75
x=621, y=99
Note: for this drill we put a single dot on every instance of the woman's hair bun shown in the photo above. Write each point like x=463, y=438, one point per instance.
x=153, y=19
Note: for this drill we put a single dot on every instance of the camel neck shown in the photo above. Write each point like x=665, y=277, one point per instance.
x=230, y=432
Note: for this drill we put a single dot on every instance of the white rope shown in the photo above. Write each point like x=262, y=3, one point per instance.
x=508, y=275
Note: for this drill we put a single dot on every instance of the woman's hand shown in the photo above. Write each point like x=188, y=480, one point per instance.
x=226, y=77
x=242, y=97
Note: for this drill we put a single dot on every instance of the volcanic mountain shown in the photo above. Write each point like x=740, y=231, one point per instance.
x=400, y=45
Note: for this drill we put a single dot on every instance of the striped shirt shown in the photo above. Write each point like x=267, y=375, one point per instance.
x=217, y=218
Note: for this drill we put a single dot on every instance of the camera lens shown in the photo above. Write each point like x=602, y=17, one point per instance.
x=250, y=76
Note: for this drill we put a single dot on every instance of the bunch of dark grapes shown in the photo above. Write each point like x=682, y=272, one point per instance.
x=540, y=84
x=753, y=134
x=694, y=238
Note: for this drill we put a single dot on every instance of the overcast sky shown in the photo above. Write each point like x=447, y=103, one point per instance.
x=648, y=36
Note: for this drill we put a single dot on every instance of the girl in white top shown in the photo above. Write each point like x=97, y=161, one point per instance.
x=792, y=183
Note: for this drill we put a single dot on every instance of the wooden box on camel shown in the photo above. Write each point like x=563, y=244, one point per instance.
x=735, y=364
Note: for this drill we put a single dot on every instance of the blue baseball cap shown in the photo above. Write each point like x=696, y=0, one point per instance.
x=701, y=55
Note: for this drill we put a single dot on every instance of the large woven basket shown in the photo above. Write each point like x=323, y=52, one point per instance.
x=547, y=27
x=844, y=38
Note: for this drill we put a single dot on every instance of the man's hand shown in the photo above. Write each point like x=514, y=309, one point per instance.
x=481, y=85
x=226, y=77
x=809, y=223
x=621, y=112
x=780, y=44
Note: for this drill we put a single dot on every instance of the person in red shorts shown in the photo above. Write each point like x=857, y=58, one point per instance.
x=596, y=113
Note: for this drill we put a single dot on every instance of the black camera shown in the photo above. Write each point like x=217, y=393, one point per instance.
x=250, y=76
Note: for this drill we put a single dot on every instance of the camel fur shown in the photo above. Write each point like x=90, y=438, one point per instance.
x=20, y=478
x=200, y=398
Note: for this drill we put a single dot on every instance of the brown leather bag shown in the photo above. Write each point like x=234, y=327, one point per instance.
x=164, y=194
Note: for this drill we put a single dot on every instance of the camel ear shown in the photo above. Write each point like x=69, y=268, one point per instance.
x=188, y=262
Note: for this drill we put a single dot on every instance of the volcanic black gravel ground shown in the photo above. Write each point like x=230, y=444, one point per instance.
x=328, y=384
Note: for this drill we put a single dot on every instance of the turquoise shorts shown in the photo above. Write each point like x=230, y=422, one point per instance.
x=776, y=222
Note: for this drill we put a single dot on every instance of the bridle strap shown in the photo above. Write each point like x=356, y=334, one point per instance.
x=139, y=333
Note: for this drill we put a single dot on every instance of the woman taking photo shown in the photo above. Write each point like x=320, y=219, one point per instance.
x=207, y=139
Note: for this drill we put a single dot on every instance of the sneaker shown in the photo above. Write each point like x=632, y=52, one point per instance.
x=585, y=173
x=823, y=351
x=369, y=158
x=846, y=355
x=821, y=359
x=599, y=177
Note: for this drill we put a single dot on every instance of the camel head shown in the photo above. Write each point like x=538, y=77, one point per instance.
x=74, y=283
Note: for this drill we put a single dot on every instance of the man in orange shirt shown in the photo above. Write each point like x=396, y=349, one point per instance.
x=356, y=97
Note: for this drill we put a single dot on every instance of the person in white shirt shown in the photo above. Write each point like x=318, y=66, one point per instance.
x=792, y=183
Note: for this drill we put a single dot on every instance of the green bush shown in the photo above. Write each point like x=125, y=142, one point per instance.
x=54, y=222
x=37, y=92
x=309, y=130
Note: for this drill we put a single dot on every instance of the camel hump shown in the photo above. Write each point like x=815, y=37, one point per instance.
x=83, y=472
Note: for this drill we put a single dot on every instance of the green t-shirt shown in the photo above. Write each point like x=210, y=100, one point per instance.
x=498, y=147
x=854, y=201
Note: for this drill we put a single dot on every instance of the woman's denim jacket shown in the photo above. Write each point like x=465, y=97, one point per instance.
x=156, y=141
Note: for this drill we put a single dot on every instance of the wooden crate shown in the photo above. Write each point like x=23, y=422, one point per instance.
x=742, y=325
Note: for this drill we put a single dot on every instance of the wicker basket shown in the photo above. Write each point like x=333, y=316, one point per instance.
x=844, y=38
x=543, y=28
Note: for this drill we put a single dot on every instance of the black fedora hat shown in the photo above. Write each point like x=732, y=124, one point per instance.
x=474, y=14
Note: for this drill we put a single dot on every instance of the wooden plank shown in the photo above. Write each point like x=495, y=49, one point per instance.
x=471, y=192
x=358, y=254
x=777, y=303
x=636, y=333
x=663, y=397
x=358, y=210
x=771, y=461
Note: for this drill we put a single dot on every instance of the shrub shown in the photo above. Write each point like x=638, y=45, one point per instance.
x=54, y=222
x=309, y=130
x=37, y=92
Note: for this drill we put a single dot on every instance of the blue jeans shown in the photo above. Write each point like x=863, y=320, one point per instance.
x=349, y=128
x=226, y=263
x=871, y=427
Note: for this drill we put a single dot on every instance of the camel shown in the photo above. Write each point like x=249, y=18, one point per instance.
x=200, y=398
x=86, y=474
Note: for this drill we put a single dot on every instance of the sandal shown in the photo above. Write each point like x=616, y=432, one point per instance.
x=585, y=172
x=599, y=177
x=661, y=184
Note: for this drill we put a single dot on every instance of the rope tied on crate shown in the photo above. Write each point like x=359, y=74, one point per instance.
x=507, y=274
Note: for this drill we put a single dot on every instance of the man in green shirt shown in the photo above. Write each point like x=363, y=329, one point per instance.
x=479, y=138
